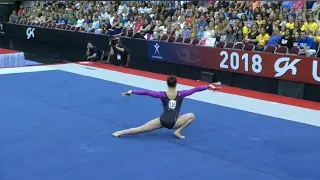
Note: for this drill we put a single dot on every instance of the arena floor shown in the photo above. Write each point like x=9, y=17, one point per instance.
x=56, y=124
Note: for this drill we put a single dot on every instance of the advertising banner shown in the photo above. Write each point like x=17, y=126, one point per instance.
x=285, y=67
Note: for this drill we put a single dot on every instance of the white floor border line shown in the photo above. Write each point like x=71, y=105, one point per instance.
x=25, y=69
x=287, y=112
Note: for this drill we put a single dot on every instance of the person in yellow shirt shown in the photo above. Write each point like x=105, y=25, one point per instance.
x=317, y=37
x=290, y=24
x=310, y=24
x=193, y=33
x=244, y=28
x=310, y=33
x=259, y=20
x=262, y=39
x=283, y=30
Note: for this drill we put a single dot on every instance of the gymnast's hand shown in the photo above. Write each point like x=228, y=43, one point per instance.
x=127, y=93
x=211, y=86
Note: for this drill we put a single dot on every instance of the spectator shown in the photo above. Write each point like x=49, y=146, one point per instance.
x=306, y=45
x=95, y=24
x=185, y=32
x=290, y=24
x=116, y=27
x=316, y=6
x=143, y=30
x=310, y=24
x=244, y=28
x=193, y=33
x=309, y=33
x=295, y=39
x=21, y=11
x=252, y=36
x=233, y=18
x=317, y=37
x=287, y=40
x=138, y=24
x=297, y=27
x=105, y=26
x=262, y=39
x=13, y=17
x=239, y=36
x=92, y=53
x=230, y=35
x=210, y=32
x=202, y=19
x=129, y=24
x=200, y=33
x=202, y=23
x=287, y=4
x=283, y=30
x=72, y=20
x=80, y=21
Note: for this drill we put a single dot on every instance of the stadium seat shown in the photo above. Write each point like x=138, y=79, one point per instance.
x=282, y=50
x=238, y=46
x=270, y=49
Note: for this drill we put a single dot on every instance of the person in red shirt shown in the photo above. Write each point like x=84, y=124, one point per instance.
x=190, y=19
x=138, y=24
x=20, y=11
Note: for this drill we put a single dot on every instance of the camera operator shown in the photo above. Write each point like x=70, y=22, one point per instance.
x=119, y=54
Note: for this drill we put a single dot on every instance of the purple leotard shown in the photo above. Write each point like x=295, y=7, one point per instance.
x=171, y=108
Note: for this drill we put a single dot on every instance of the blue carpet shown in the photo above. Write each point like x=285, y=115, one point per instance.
x=57, y=126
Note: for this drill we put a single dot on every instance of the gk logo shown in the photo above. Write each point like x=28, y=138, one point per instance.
x=30, y=32
x=287, y=66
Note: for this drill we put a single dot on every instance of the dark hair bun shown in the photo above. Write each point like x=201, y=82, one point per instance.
x=172, y=81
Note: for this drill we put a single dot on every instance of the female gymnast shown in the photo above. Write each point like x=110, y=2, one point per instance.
x=171, y=101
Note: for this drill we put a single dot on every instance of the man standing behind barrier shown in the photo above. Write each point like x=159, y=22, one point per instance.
x=119, y=54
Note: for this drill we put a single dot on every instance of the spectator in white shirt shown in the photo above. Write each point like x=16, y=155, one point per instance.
x=103, y=14
x=148, y=9
x=129, y=24
x=316, y=6
x=95, y=24
x=182, y=21
x=210, y=32
x=121, y=7
x=111, y=18
x=80, y=21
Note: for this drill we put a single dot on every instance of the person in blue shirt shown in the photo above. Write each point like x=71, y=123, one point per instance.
x=287, y=4
x=306, y=45
x=274, y=39
x=92, y=54
x=202, y=23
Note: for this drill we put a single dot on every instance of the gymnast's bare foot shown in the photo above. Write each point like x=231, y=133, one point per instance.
x=116, y=134
x=179, y=135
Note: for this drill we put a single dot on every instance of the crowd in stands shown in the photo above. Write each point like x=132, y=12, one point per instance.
x=262, y=23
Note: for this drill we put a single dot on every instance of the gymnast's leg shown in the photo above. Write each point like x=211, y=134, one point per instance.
x=149, y=126
x=182, y=122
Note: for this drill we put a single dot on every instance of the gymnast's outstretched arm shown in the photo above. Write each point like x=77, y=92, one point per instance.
x=189, y=92
x=154, y=94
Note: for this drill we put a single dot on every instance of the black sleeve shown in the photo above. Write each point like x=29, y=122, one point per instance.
x=290, y=42
x=126, y=50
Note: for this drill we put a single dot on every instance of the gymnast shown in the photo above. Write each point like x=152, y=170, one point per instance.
x=171, y=101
